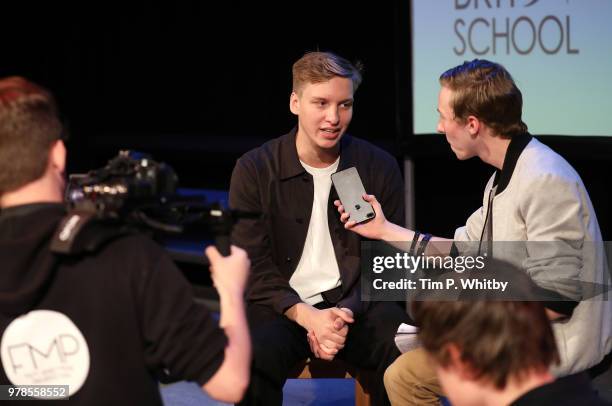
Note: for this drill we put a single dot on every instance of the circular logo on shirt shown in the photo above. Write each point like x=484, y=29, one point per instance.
x=45, y=347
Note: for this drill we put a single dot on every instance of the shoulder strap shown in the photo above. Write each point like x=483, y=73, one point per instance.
x=82, y=232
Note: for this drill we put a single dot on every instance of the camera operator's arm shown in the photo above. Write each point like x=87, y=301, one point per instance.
x=267, y=285
x=229, y=275
x=181, y=338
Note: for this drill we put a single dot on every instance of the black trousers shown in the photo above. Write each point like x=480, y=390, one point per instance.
x=279, y=344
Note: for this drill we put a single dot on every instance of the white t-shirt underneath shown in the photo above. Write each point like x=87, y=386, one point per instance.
x=318, y=269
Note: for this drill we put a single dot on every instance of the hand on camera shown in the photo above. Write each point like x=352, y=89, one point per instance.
x=229, y=274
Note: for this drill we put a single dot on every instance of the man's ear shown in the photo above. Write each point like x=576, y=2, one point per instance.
x=473, y=125
x=294, y=103
x=57, y=156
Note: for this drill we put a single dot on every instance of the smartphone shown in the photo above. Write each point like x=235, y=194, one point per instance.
x=350, y=191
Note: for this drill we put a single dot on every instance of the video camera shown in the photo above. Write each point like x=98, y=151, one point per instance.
x=134, y=192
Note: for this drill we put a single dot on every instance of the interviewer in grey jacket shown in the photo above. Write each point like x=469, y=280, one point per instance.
x=534, y=196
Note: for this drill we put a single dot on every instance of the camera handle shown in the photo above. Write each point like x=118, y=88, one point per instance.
x=221, y=222
x=222, y=242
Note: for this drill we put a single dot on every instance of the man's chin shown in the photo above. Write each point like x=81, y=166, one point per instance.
x=461, y=155
x=328, y=146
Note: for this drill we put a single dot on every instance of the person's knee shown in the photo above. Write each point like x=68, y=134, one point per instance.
x=410, y=382
x=410, y=369
x=396, y=373
x=275, y=350
x=391, y=377
x=267, y=356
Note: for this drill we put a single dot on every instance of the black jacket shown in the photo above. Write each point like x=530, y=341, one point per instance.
x=128, y=315
x=271, y=180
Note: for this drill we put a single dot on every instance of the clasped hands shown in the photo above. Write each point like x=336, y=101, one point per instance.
x=327, y=331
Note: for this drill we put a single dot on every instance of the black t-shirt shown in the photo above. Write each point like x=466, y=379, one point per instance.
x=134, y=309
x=567, y=391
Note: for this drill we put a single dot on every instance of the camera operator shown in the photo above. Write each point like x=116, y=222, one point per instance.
x=109, y=323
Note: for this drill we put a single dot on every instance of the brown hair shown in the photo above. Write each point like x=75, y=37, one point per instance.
x=318, y=67
x=496, y=339
x=29, y=125
x=486, y=90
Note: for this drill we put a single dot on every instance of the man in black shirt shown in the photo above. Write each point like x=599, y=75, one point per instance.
x=494, y=352
x=304, y=294
x=108, y=323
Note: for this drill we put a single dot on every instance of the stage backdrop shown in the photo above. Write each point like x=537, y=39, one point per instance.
x=558, y=51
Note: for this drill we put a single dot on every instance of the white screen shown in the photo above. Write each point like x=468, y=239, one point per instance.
x=558, y=51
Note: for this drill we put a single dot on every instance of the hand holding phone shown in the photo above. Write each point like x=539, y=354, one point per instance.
x=350, y=191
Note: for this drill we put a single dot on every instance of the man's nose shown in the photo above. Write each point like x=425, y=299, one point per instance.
x=332, y=115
